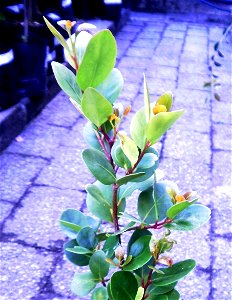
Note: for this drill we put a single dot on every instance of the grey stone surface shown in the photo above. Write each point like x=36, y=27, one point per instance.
x=42, y=172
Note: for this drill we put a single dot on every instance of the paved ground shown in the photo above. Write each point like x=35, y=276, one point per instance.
x=42, y=174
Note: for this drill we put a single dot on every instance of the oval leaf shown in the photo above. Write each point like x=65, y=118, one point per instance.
x=191, y=218
x=162, y=199
x=79, y=259
x=178, y=208
x=99, y=166
x=129, y=178
x=99, y=294
x=129, y=148
x=83, y=283
x=98, y=61
x=147, y=209
x=96, y=107
x=98, y=264
x=138, y=127
x=119, y=157
x=87, y=238
x=160, y=123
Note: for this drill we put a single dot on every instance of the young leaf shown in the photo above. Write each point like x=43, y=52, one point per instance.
x=96, y=107
x=166, y=99
x=56, y=33
x=87, y=238
x=138, y=127
x=83, y=283
x=129, y=178
x=191, y=218
x=98, y=264
x=140, y=252
x=173, y=273
x=98, y=61
x=129, y=148
x=111, y=87
x=119, y=157
x=67, y=81
x=79, y=259
x=123, y=285
x=178, y=208
x=73, y=220
x=160, y=123
x=147, y=105
x=100, y=294
x=99, y=166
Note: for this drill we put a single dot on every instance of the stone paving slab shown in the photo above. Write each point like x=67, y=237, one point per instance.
x=42, y=173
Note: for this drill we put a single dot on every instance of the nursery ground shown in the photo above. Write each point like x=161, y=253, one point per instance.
x=42, y=172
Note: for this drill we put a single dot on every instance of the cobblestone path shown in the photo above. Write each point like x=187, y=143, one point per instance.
x=42, y=174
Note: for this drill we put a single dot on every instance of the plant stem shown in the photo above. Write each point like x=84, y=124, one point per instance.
x=115, y=206
x=157, y=225
x=103, y=146
x=139, y=159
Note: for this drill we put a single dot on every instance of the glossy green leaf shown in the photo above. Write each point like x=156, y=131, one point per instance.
x=138, y=127
x=160, y=123
x=136, y=235
x=90, y=137
x=173, y=295
x=79, y=259
x=83, y=283
x=166, y=99
x=178, y=208
x=98, y=61
x=99, y=201
x=111, y=87
x=139, y=295
x=100, y=294
x=173, y=273
x=148, y=164
x=67, y=81
x=119, y=158
x=129, y=225
x=129, y=148
x=56, y=33
x=140, y=252
x=87, y=238
x=129, y=217
x=147, y=105
x=79, y=250
x=99, y=166
x=147, y=209
x=96, y=107
x=128, y=189
x=98, y=264
x=123, y=285
x=191, y=218
x=155, y=290
x=110, y=245
x=162, y=199
x=73, y=220
x=129, y=178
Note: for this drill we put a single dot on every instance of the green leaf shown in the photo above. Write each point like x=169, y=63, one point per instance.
x=129, y=217
x=73, y=220
x=159, y=290
x=140, y=252
x=79, y=250
x=173, y=295
x=76, y=258
x=56, y=33
x=166, y=99
x=127, y=190
x=129, y=148
x=100, y=294
x=110, y=245
x=96, y=107
x=160, y=123
x=119, y=157
x=87, y=238
x=178, y=208
x=111, y=87
x=99, y=201
x=148, y=164
x=99, y=166
x=129, y=178
x=191, y=218
x=98, y=264
x=90, y=136
x=173, y=273
x=139, y=295
x=67, y=81
x=162, y=199
x=129, y=225
x=136, y=235
x=98, y=61
x=138, y=127
x=147, y=207
x=147, y=105
x=83, y=283
x=123, y=285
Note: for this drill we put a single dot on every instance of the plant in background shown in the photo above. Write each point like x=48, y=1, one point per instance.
x=126, y=254
x=214, y=83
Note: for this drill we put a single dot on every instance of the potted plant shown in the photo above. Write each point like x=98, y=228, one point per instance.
x=129, y=257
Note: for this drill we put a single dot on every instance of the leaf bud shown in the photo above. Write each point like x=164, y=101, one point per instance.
x=119, y=253
x=167, y=261
x=127, y=110
x=179, y=198
x=159, y=108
